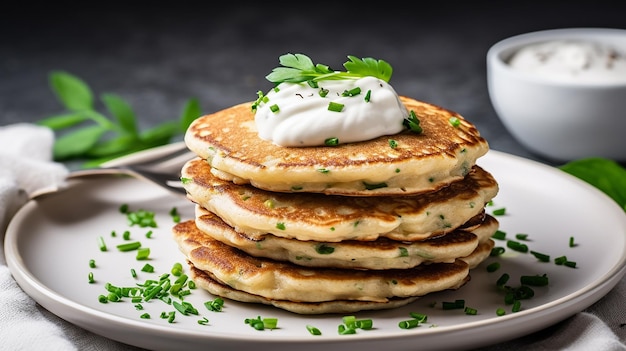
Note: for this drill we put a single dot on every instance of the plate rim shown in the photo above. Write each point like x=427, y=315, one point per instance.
x=565, y=305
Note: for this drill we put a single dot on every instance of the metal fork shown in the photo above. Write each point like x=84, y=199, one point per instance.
x=160, y=166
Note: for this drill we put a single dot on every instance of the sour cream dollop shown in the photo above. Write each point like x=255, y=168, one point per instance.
x=572, y=61
x=303, y=117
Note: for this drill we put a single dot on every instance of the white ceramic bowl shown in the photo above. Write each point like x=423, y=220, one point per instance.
x=557, y=119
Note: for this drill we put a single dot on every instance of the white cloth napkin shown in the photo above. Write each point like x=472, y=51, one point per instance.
x=26, y=168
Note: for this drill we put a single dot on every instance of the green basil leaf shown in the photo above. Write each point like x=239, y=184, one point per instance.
x=71, y=91
x=63, y=121
x=191, y=111
x=605, y=174
x=77, y=143
x=122, y=111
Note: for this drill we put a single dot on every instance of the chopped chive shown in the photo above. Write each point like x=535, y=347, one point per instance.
x=570, y=264
x=149, y=234
x=500, y=311
x=313, y=84
x=177, y=269
x=323, y=92
x=324, y=249
x=352, y=92
x=143, y=253
x=92, y=263
x=148, y=268
x=497, y=251
x=368, y=96
x=499, y=234
x=571, y=241
x=534, y=280
x=517, y=246
x=129, y=246
x=409, y=324
x=90, y=277
x=133, y=273
x=492, y=267
x=412, y=122
x=521, y=236
x=419, y=316
x=540, y=256
x=145, y=316
x=499, y=211
x=454, y=121
x=335, y=107
x=102, y=299
x=393, y=144
x=517, y=306
x=560, y=260
x=101, y=244
x=203, y=321
x=470, y=311
x=313, y=330
x=502, y=280
x=126, y=235
x=280, y=225
x=331, y=142
x=457, y=304
x=274, y=108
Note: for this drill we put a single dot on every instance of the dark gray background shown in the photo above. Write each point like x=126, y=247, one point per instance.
x=158, y=57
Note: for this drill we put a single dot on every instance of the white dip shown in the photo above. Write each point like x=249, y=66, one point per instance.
x=572, y=61
x=303, y=117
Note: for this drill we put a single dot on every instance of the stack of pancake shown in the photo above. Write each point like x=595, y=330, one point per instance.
x=359, y=226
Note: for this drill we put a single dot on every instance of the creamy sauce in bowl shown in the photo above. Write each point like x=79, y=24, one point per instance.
x=296, y=114
x=572, y=61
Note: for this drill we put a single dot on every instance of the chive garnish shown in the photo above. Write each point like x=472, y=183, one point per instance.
x=90, y=278
x=352, y=92
x=313, y=330
x=499, y=212
x=412, y=122
x=331, y=142
x=368, y=96
x=454, y=121
x=492, y=267
x=129, y=246
x=92, y=263
x=101, y=244
x=393, y=144
x=499, y=234
x=143, y=253
x=540, y=256
x=280, y=225
x=335, y=107
x=534, y=280
x=274, y=108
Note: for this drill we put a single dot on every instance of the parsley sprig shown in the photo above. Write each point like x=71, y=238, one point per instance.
x=298, y=68
x=86, y=134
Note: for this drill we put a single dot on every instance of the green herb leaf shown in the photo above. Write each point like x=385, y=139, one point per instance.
x=605, y=174
x=369, y=67
x=63, y=121
x=122, y=111
x=77, y=143
x=191, y=111
x=298, y=68
x=71, y=91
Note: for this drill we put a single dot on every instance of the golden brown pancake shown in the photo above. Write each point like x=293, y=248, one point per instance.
x=382, y=253
x=428, y=161
x=332, y=218
x=276, y=280
x=204, y=281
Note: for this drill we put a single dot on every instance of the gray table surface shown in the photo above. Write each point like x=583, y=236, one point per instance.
x=157, y=58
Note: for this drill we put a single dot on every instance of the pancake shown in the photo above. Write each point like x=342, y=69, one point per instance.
x=331, y=218
x=204, y=281
x=441, y=154
x=276, y=280
x=379, y=254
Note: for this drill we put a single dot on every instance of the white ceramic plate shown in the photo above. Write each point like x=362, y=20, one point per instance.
x=50, y=242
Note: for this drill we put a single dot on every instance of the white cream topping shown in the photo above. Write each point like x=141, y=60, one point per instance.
x=303, y=117
x=572, y=61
